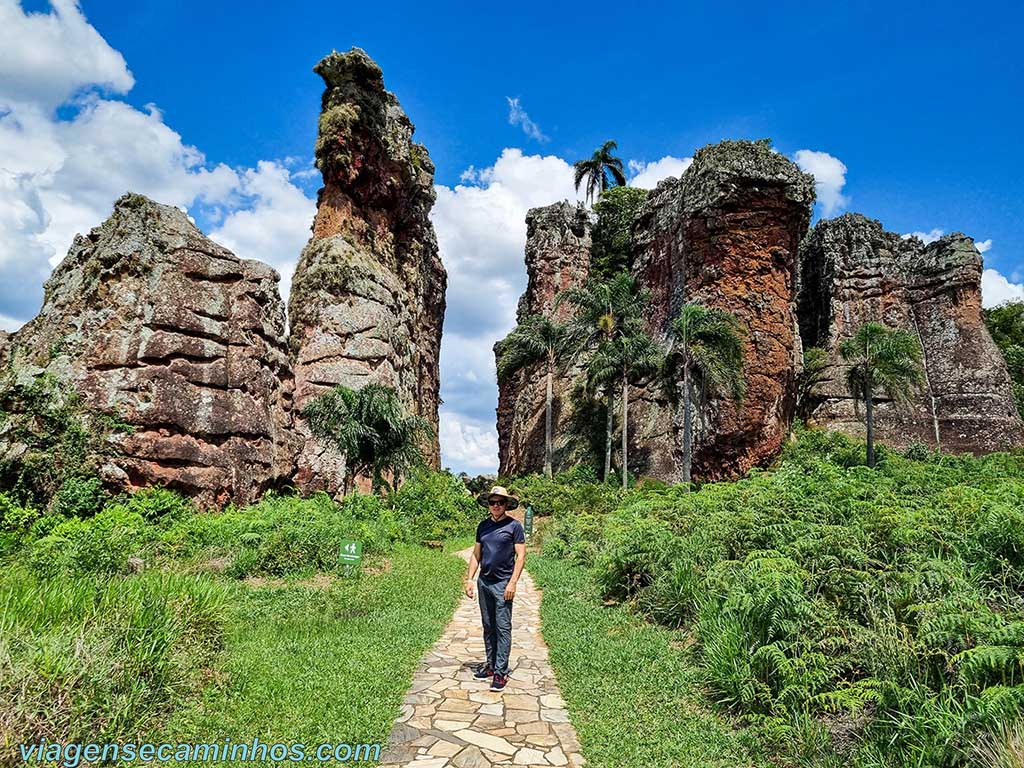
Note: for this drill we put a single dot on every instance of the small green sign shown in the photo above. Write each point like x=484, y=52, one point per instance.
x=351, y=552
x=528, y=525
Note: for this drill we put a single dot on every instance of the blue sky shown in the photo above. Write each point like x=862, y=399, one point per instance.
x=909, y=113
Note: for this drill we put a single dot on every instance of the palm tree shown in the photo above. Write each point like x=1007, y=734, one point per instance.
x=880, y=358
x=706, y=354
x=601, y=170
x=605, y=310
x=536, y=338
x=626, y=359
x=815, y=371
x=370, y=427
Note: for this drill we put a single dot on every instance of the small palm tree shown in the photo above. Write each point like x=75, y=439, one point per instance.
x=370, y=427
x=885, y=359
x=537, y=338
x=605, y=309
x=626, y=359
x=601, y=170
x=815, y=371
x=705, y=354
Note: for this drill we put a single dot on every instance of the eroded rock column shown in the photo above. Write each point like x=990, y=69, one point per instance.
x=367, y=300
x=725, y=234
x=557, y=257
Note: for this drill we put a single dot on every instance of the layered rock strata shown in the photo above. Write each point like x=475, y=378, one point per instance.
x=368, y=297
x=160, y=328
x=853, y=272
x=558, y=242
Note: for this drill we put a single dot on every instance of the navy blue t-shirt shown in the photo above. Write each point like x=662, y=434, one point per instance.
x=497, y=550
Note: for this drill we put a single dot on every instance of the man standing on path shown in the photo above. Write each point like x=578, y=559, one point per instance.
x=500, y=552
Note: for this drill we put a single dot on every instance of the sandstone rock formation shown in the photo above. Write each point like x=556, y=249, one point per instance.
x=161, y=328
x=5, y=345
x=726, y=234
x=557, y=257
x=853, y=271
x=367, y=300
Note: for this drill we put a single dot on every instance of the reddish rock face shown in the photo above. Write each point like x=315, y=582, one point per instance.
x=557, y=257
x=854, y=272
x=160, y=327
x=367, y=301
x=726, y=234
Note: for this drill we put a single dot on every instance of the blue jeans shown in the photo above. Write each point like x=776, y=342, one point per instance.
x=496, y=613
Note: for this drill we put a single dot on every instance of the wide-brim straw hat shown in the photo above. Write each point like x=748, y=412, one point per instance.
x=497, y=490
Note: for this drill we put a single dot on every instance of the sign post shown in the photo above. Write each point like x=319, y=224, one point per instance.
x=350, y=555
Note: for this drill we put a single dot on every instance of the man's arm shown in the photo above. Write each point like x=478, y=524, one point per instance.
x=510, y=588
x=474, y=563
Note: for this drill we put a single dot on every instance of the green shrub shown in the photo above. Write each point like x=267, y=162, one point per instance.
x=435, y=505
x=824, y=589
x=283, y=535
x=79, y=497
x=102, y=544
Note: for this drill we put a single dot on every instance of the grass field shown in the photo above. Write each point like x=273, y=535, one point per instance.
x=324, y=661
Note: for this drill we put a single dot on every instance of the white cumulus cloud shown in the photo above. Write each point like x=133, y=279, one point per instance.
x=275, y=225
x=996, y=289
x=647, y=175
x=469, y=445
x=829, y=178
x=60, y=175
x=45, y=58
x=481, y=231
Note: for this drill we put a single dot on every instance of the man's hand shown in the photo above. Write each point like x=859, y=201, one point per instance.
x=510, y=590
x=470, y=585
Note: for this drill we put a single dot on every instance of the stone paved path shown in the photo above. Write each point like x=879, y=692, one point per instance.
x=450, y=719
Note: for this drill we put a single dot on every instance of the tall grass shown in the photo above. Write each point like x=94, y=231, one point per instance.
x=91, y=658
x=113, y=611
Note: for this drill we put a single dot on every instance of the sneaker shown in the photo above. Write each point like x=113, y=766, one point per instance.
x=483, y=671
x=499, y=681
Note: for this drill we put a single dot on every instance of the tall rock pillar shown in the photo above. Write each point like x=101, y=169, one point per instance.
x=557, y=257
x=367, y=300
x=726, y=234
x=854, y=272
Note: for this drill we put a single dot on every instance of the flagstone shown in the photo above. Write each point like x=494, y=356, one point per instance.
x=542, y=739
x=520, y=715
x=450, y=719
x=445, y=749
x=528, y=756
x=491, y=742
x=520, y=701
x=554, y=715
x=458, y=705
x=471, y=757
x=536, y=726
